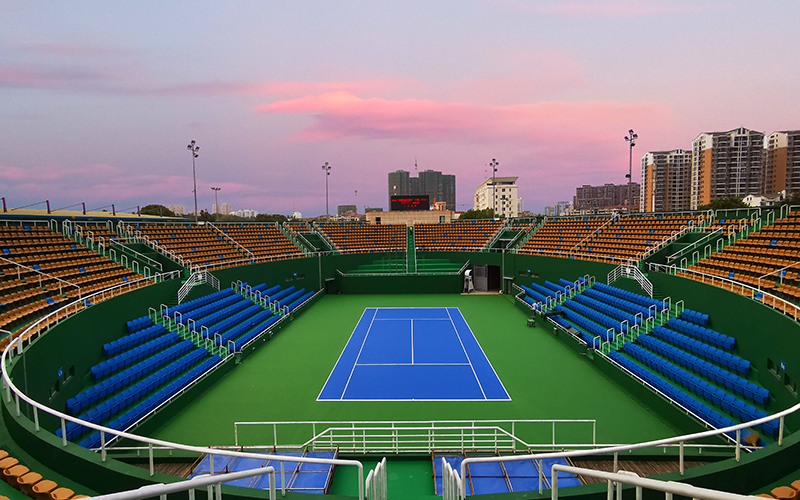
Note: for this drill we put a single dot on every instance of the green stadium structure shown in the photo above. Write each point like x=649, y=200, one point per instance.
x=132, y=347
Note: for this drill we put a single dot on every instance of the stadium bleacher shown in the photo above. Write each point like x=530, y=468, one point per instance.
x=56, y=269
x=360, y=237
x=456, y=236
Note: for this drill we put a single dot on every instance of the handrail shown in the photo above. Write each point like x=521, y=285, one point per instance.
x=669, y=487
x=291, y=237
x=794, y=264
x=324, y=236
x=695, y=245
x=41, y=273
x=614, y=217
x=631, y=272
x=500, y=230
x=223, y=233
x=646, y=444
x=162, y=490
x=528, y=234
x=778, y=303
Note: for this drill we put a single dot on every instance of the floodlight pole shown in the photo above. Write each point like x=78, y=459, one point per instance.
x=631, y=138
x=494, y=164
x=216, y=202
x=327, y=169
x=194, y=149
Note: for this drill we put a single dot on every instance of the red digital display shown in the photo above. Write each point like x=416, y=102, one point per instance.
x=404, y=203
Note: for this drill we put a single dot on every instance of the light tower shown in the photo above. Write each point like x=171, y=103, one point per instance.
x=494, y=164
x=631, y=138
x=216, y=202
x=327, y=169
x=194, y=149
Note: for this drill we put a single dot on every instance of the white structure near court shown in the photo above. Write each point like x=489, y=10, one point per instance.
x=499, y=194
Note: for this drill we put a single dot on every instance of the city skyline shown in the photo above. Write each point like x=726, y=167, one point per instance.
x=100, y=111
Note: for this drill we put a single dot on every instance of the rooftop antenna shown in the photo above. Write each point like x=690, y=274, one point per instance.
x=415, y=164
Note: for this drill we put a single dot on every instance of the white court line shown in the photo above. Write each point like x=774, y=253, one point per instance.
x=359, y=354
x=414, y=364
x=412, y=341
x=484, y=355
x=465, y=353
x=342, y=353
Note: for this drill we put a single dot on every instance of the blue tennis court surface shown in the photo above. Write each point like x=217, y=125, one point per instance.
x=410, y=354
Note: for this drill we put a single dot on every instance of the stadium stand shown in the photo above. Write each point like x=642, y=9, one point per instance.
x=264, y=240
x=197, y=245
x=459, y=236
x=769, y=259
x=40, y=269
x=559, y=236
x=31, y=483
x=361, y=237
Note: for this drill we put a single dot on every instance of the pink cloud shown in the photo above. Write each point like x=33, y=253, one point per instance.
x=342, y=114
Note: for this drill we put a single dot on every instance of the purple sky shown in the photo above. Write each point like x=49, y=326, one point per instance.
x=98, y=100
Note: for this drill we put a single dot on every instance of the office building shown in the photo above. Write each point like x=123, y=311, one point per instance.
x=726, y=164
x=666, y=181
x=499, y=194
x=177, y=209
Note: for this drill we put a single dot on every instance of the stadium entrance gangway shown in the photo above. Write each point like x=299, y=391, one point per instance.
x=421, y=436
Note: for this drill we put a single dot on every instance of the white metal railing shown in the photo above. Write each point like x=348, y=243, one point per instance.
x=766, y=298
x=564, y=254
x=527, y=234
x=376, y=482
x=243, y=262
x=678, y=441
x=500, y=230
x=451, y=483
x=60, y=281
x=614, y=217
x=419, y=436
x=628, y=271
x=208, y=481
x=197, y=278
x=616, y=479
x=242, y=249
x=693, y=247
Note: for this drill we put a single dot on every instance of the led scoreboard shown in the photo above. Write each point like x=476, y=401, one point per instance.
x=404, y=203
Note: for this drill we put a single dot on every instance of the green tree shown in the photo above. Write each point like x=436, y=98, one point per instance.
x=793, y=199
x=159, y=210
x=487, y=213
x=724, y=203
x=270, y=218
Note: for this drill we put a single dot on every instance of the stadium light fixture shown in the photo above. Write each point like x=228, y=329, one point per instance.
x=494, y=164
x=194, y=149
x=631, y=138
x=216, y=202
x=327, y=169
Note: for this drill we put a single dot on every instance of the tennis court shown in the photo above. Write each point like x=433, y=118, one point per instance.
x=413, y=354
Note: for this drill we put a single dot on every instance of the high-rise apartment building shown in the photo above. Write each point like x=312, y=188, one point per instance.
x=666, y=181
x=439, y=187
x=781, y=163
x=726, y=164
x=221, y=209
x=177, y=209
x=499, y=194
x=606, y=197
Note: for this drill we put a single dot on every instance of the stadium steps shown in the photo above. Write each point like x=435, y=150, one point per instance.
x=411, y=254
x=504, y=477
x=308, y=478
